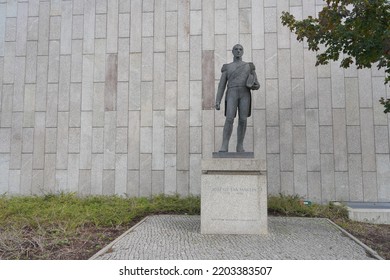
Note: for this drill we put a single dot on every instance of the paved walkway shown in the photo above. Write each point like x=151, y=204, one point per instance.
x=168, y=237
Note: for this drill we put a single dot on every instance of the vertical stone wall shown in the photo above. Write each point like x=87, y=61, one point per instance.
x=116, y=96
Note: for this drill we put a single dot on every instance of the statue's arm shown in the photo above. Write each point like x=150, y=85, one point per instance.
x=221, y=89
x=256, y=84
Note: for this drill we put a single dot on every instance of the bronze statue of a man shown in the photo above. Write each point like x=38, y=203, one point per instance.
x=240, y=78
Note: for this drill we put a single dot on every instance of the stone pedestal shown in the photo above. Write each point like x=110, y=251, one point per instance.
x=233, y=197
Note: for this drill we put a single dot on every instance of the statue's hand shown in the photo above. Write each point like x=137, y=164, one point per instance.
x=217, y=106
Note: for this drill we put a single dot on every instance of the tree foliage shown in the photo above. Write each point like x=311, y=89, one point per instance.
x=359, y=29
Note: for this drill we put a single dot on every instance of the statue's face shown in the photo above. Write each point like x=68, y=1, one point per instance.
x=238, y=50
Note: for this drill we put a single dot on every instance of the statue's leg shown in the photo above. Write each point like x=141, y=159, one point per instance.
x=231, y=108
x=241, y=130
x=227, y=132
x=243, y=111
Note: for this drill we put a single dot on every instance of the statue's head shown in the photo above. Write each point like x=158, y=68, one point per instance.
x=238, y=50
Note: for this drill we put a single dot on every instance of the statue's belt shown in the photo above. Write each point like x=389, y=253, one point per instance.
x=237, y=86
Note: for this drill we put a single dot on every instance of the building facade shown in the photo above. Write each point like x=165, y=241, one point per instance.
x=117, y=97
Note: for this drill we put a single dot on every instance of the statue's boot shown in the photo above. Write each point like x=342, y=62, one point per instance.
x=241, y=129
x=227, y=132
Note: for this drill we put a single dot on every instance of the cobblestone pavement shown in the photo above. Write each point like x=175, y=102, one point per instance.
x=167, y=237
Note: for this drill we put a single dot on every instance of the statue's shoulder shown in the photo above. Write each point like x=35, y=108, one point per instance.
x=252, y=66
x=224, y=68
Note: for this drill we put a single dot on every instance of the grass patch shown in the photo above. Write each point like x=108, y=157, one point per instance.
x=67, y=226
x=71, y=211
x=36, y=227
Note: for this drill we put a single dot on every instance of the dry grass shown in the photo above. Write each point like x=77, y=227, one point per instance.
x=69, y=227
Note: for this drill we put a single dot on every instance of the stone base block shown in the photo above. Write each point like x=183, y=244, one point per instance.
x=369, y=212
x=233, y=197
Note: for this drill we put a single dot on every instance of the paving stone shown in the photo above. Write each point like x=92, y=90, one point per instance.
x=170, y=174
x=170, y=62
x=183, y=21
x=195, y=173
x=85, y=141
x=85, y=182
x=133, y=182
x=109, y=139
x=340, y=140
x=272, y=103
x=355, y=177
x=62, y=140
x=101, y=26
x=44, y=23
x=171, y=100
x=284, y=78
x=31, y=62
x=108, y=182
x=29, y=105
x=220, y=21
x=145, y=176
x=89, y=26
x=121, y=174
x=184, y=73
x=288, y=238
x=352, y=102
x=159, y=75
x=325, y=101
x=273, y=173
x=66, y=33
x=123, y=59
x=367, y=139
x=77, y=61
x=159, y=26
x=258, y=25
x=78, y=27
x=112, y=26
x=135, y=23
x=286, y=140
x=342, y=186
x=311, y=88
x=283, y=31
x=158, y=141
x=97, y=174
x=370, y=188
x=328, y=178
x=122, y=104
x=64, y=83
x=338, y=88
x=16, y=141
x=312, y=140
x=383, y=176
x=26, y=174
x=135, y=81
x=124, y=24
x=157, y=182
x=183, y=141
x=287, y=182
x=134, y=140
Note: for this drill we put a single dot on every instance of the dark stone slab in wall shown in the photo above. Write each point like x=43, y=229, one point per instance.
x=208, y=80
x=110, y=89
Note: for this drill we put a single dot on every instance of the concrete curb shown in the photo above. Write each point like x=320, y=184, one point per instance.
x=368, y=249
x=109, y=246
